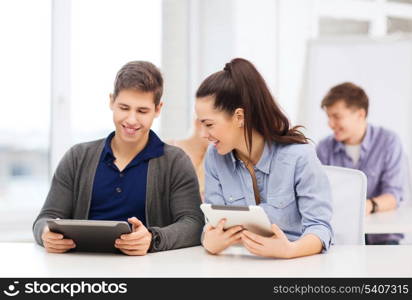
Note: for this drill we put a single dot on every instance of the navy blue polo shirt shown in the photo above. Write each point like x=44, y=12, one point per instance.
x=119, y=195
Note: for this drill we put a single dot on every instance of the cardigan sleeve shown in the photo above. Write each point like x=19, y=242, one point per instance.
x=59, y=201
x=183, y=207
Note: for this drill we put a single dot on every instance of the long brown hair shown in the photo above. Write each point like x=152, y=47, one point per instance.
x=239, y=85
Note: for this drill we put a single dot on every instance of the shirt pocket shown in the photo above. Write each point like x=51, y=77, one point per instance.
x=281, y=201
x=373, y=178
x=373, y=172
x=232, y=198
x=284, y=210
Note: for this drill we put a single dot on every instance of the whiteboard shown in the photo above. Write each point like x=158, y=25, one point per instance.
x=382, y=67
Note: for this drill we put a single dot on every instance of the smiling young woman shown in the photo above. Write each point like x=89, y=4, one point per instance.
x=257, y=158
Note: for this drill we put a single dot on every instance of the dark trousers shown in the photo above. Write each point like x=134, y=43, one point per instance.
x=387, y=242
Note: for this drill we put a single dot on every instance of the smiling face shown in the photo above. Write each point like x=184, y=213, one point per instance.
x=218, y=127
x=347, y=123
x=133, y=115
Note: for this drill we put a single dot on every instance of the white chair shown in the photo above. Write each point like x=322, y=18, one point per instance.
x=348, y=188
x=407, y=184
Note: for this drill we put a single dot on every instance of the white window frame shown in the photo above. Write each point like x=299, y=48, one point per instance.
x=375, y=12
x=60, y=125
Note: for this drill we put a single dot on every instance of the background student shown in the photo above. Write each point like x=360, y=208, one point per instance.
x=256, y=158
x=359, y=145
x=129, y=176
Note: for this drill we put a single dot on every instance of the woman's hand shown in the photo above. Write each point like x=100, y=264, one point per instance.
x=137, y=242
x=276, y=246
x=216, y=239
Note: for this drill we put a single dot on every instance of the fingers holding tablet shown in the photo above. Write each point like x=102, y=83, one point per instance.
x=217, y=239
x=136, y=242
x=55, y=242
x=83, y=235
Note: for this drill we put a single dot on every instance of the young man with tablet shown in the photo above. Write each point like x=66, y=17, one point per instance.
x=129, y=176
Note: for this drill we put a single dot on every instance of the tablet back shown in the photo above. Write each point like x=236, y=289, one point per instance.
x=91, y=235
x=252, y=218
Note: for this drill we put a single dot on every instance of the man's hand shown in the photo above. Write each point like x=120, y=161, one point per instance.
x=137, y=242
x=55, y=242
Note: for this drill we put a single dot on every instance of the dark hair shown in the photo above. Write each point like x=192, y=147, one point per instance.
x=141, y=76
x=240, y=85
x=350, y=93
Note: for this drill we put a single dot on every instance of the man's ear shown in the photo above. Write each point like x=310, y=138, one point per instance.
x=158, y=109
x=362, y=113
x=111, y=101
x=239, y=116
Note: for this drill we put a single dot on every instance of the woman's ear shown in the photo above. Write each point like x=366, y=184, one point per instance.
x=239, y=117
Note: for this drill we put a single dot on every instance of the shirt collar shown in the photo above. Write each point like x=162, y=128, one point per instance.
x=367, y=140
x=153, y=149
x=266, y=159
x=107, y=154
x=338, y=146
x=263, y=163
x=233, y=159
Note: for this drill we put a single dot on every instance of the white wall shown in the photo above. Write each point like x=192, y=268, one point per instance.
x=60, y=86
x=295, y=27
x=175, y=67
x=256, y=37
x=216, y=31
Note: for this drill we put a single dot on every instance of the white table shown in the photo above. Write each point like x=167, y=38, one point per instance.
x=396, y=221
x=29, y=260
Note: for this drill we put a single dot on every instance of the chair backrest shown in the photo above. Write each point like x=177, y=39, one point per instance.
x=348, y=188
x=407, y=184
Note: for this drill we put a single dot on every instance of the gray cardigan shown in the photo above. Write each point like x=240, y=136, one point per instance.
x=173, y=214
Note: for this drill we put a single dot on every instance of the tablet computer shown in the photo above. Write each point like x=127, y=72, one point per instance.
x=90, y=235
x=252, y=218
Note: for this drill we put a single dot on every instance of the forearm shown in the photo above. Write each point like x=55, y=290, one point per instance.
x=59, y=200
x=385, y=202
x=185, y=232
x=48, y=212
x=309, y=244
x=38, y=228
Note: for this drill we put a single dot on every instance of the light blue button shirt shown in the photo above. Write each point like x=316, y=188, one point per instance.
x=383, y=161
x=294, y=189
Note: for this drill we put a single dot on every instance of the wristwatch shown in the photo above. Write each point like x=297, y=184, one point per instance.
x=374, y=205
